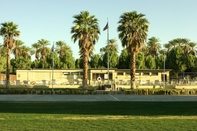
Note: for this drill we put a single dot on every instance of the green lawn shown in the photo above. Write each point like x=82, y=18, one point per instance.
x=93, y=116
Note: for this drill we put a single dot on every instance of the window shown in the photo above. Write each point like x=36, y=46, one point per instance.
x=146, y=73
x=137, y=74
x=154, y=73
x=127, y=73
x=66, y=73
x=75, y=73
x=120, y=73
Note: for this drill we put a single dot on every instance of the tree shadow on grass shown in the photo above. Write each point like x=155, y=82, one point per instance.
x=102, y=108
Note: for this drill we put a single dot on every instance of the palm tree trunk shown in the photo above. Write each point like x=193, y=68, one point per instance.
x=8, y=70
x=132, y=73
x=85, y=68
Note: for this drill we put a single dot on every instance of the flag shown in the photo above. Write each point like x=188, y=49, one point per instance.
x=52, y=49
x=106, y=27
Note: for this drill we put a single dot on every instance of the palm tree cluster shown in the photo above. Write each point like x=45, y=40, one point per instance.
x=139, y=52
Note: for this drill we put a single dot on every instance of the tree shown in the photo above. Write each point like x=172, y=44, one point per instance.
x=140, y=61
x=168, y=47
x=20, y=63
x=3, y=51
x=173, y=43
x=192, y=45
x=2, y=58
x=79, y=63
x=65, y=55
x=67, y=61
x=17, y=49
x=86, y=31
x=62, y=48
x=52, y=58
x=186, y=46
x=95, y=61
x=132, y=28
x=112, y=49
x=37, y=47
x=112, y=45
x=44, y=50
x=150, y=62
x=153, y=46
x=124, y=60
x=113, y=59
x=190, y=60
x=25, y=52
x=9, y=31
x=2, y=63
x=22, y=57
x=175, y=60
x=159, y=61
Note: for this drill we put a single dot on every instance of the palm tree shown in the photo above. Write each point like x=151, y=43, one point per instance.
x=168, y=47
x=178, y=41
x=44, y=50
x=86, y=31
x=25, y=52
x=62, y=48
x=186, y=46
x=153, y=46
x=9, y=31
x=192, y=45
x=133, y=28
x=37, y=47
x=17, y=49
x=111, y=46
x=109, y=52
x=144, y=49
x=173, y=43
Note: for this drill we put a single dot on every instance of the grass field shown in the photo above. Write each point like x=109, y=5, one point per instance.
x=94, y=116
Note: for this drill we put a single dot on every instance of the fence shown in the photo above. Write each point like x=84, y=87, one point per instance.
x=185, y=78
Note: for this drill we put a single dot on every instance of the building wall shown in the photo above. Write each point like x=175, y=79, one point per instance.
x=75, y=76
x=3, y=77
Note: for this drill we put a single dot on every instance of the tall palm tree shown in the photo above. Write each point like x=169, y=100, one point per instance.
x=178, y=41
x=37, y=47
x=173, y=43
x=25, y=52
x=44, y=50
x=86, y=31
x=62, y=48
x=111, y=46
x=9, y=31
x=132, y=28
x=168, y=47
x=153, y=46
x=109, y=52
x=186, y=46
x=17, y=49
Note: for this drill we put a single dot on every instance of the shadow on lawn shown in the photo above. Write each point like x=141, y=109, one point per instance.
x=102, y=108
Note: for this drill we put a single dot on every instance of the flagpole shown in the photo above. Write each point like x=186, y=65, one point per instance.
x=108, y=50
x=107, y=28
x=52, y=66
x=164, y=70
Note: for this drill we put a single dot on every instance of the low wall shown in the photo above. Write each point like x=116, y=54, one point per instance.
x=139, y=87
x=64, y=86
x=186, y=87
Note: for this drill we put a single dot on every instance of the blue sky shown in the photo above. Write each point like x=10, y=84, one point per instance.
x=52, y=19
